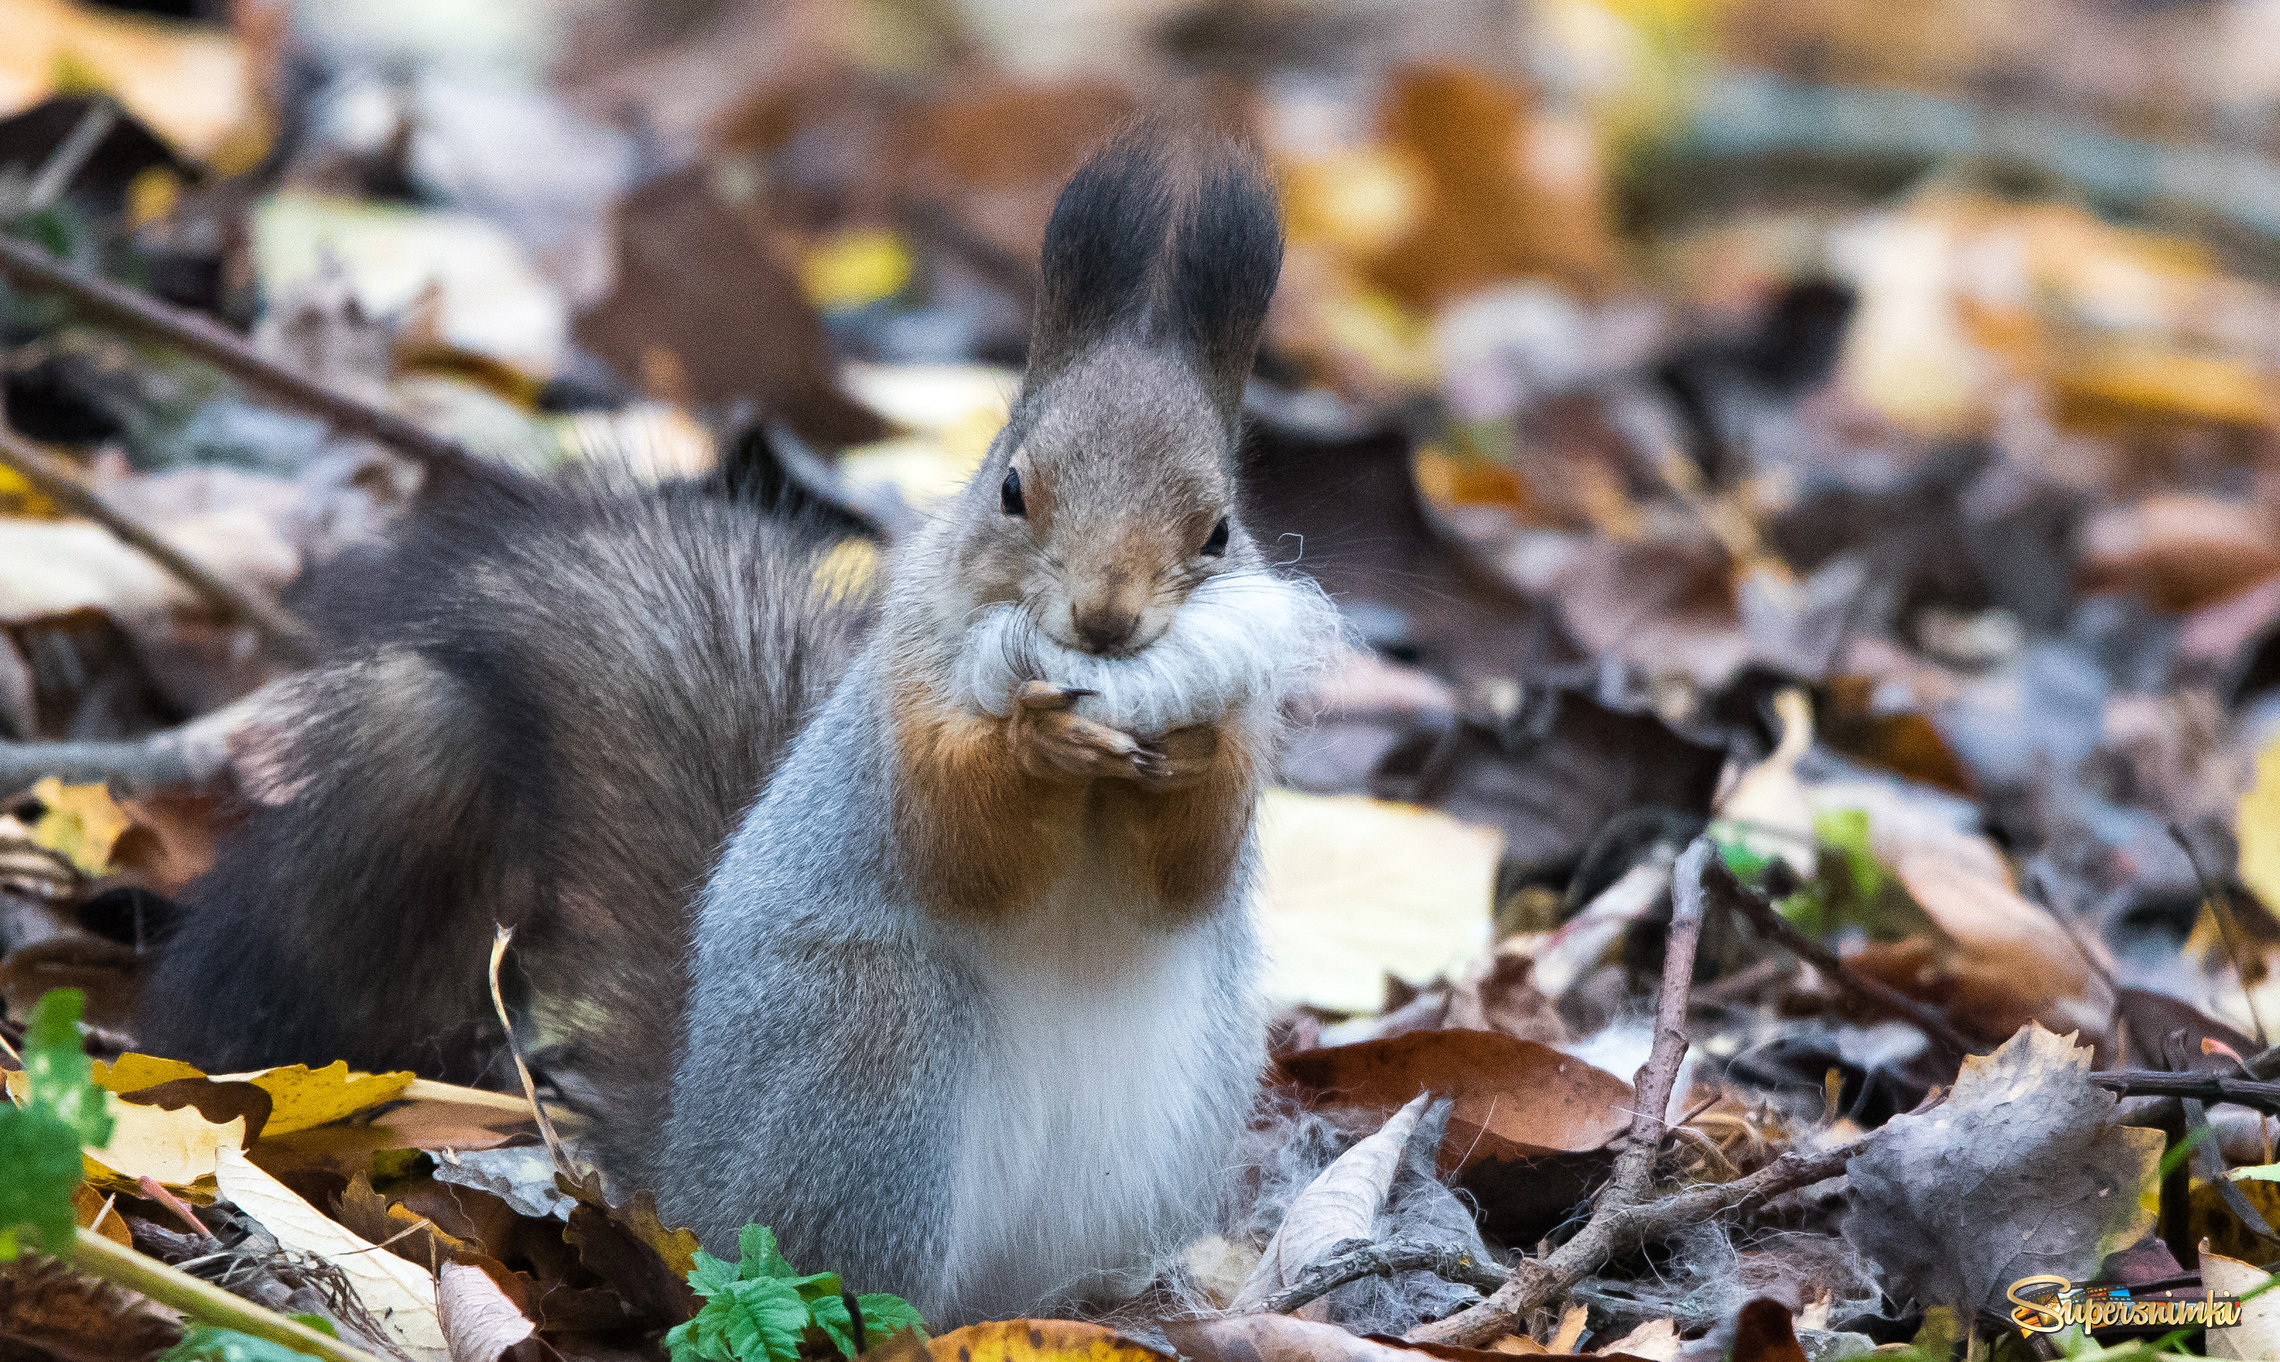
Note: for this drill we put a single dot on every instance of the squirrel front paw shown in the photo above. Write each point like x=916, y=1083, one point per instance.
x=1054, y=742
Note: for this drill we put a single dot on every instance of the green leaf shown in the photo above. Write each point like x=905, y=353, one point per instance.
x=763, y=1319
x=205, y=1343
x=829, y=1314
x=885, y=1315
x=711, y=1275
x=40, y=1141
x=820, y=1286
x=761, y=1260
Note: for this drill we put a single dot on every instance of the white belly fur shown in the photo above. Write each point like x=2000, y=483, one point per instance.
x=1093, y=1129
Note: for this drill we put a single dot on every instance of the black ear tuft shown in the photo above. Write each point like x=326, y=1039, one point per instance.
x=1101, y=247
x=1224, y=266
x=1167, y=237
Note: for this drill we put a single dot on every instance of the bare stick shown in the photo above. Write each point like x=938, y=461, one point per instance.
x=1361, y=1258
x=96, y=1256
x=61, y=483
x=1734, y=895
x=27, y=266
x=1537, y=1282
x=2203, y=1087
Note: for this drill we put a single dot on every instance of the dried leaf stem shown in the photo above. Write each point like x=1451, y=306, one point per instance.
x=1537, y=1282
x=1734, y=896
x=61, y=483
x=25, y=265
x=554, y=1156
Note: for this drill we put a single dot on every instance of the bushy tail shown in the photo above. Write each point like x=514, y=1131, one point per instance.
x=548, y=708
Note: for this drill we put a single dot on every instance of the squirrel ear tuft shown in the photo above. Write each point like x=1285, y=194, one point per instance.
x=1171, y=238
x=1224, y=267
x=1100, y=248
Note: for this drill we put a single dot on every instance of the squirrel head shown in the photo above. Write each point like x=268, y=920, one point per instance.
x=1110, y=494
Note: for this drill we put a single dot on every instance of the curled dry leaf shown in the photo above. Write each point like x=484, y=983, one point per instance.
x=400, y=1296
x=479, y=1323
x=1341, y=1204
x=2013, y=963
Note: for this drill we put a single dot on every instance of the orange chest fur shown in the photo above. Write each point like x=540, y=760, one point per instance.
x=981, y=837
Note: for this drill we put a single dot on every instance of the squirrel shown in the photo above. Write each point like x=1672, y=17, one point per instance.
x=918, y=929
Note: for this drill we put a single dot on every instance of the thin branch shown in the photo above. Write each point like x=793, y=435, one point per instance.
x=1392, y=1257
x=27, y=266
x=61, y=483
x=2204, y=1087
x=1737, y=897
x=502, y=935
x=1536, y=1282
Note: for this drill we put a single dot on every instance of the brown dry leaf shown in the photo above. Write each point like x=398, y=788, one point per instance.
x=2182, y=551
x=1274, y=1338
x=629, y=1247
x=479, y=1323
x=1762, y=1333
x=2007, y=950
x=49, y=1311
x=400, y=1296
x=97, y=1211
x=1514, y=1098
x=1040, y=1340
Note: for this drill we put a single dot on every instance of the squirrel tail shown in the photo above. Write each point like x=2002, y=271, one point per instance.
x=546, y=709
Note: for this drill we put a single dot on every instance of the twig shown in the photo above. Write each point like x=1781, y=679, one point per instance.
x=61, y=483
x=2220, y=907
x=191, y=754
x=499, y=942
x=1368, y=1259
x=1737, y=897
x=1537, y=1282
x=2204, y=1087
x=203, y=1301
x=27, y=266
x=64, y=163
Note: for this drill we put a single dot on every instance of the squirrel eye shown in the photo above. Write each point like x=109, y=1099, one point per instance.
x=1216, y=546
x=1009, y=494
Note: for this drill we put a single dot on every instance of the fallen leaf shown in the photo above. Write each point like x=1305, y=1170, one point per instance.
x=2257, y=1336
x=1341, y=1204
x=1274, y=1338
x=2018, y=961
x=1354, y=889
x=401, y=1297
x=2258, y=826
x=1656, y=1340
x=1762, y=1333
x=2024, y=1169
x=80, y=821
x=303, y=1098
x=479, y=1323
x=181, y=1149
x=1514, y=1098
x=1039, y=1340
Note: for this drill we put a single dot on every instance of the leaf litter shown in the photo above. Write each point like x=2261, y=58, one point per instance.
x=1894, y=520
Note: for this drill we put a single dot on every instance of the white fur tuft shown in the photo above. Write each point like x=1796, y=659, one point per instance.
x=1241, y=641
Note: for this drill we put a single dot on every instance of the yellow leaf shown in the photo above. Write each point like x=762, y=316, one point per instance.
x=1354, y=889
x=851, y=268
x=304, y=1098
x=132, y=1072
x=2259, y=828
x=1038, y=1340
x=81, y=822
x=178, y=1148
x=301, y=1098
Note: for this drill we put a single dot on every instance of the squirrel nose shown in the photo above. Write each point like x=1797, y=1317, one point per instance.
x=1105, y=629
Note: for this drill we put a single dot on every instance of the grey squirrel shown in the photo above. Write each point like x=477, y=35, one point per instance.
x=919, y=932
